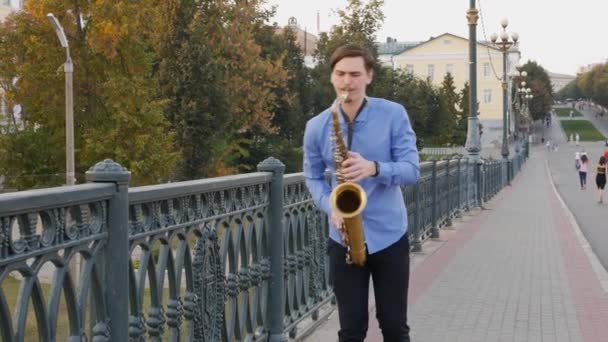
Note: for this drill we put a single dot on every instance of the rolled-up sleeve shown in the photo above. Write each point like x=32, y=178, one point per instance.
x=404, y=167
x=314, y=169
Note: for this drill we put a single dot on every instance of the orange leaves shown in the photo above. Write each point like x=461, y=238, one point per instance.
x=106, y=36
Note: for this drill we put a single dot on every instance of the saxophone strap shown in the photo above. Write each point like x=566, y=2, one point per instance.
x=349, y=124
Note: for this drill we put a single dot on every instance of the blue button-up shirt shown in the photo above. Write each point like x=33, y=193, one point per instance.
x=382, y=133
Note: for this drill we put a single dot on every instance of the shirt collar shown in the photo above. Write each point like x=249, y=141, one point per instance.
x=361, y=112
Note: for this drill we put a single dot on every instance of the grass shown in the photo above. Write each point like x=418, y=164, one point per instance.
x=10, y=288
x=584, y=128
x=565, y=112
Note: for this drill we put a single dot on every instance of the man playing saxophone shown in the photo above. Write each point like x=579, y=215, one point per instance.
x=381, y=157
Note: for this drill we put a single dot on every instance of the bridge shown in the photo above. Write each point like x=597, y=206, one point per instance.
x=232, y=258
x=496, y=255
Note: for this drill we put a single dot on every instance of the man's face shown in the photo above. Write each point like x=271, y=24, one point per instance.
x=349, y=75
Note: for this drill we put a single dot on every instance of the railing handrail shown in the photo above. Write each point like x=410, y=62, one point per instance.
x=14, y=203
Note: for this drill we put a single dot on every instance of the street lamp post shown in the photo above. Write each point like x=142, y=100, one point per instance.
x=504, y=44
x=518, y=77
x=473, y=143
x=68, y=68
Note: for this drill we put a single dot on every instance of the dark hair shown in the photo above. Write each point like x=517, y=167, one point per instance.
x=602, y=160
x=584, y=158
x=352, y=50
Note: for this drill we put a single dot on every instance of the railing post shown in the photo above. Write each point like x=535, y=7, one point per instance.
x=416, y=241
x=479, y=181
x=116, y=254
x=467, y=184
x=435, y=228
x=276, y=288
x=448, y=220
x=458, y=189
x=509, y=171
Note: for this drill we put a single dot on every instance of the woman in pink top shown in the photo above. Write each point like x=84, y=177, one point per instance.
x=582, y=172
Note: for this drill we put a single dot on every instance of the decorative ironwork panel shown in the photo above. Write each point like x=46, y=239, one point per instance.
x=199, y=262
x=36, y=248
x=305, y=264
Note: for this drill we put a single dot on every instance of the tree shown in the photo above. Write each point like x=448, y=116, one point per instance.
x=294, y=103
x=594, y=84
x=116, y=114
x=463, y=120
x=220, y=90
x=451, y=131
x=540, y=84
x=359, y=23
x=570, y=91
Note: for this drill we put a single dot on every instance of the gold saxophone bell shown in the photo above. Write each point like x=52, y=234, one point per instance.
x=347, y=199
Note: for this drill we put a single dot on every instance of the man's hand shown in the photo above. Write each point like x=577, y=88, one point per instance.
x=356, y=168
x=337, y=221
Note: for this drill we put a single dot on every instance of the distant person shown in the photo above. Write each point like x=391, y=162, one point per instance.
x=582, y=171
x=577, y=138
x=600, y=179
x=571, y=112
x=577, y=160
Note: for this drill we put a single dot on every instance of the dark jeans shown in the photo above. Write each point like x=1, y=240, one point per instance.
x=583, y=178
x=390, y=270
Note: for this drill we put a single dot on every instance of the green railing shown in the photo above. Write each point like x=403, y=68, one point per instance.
x=225, y=259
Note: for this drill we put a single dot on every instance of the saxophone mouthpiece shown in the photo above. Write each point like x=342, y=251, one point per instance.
x=343, y=97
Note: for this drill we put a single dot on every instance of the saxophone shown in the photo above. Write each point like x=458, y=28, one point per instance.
x=347, y=199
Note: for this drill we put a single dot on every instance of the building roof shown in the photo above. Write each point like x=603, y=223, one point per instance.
x=393, y=47
x=556, y=75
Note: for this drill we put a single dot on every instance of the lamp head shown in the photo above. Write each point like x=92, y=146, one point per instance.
x=58, y=29
x=515, y=37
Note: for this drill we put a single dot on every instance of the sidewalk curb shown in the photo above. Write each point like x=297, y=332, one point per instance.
x=597, y=267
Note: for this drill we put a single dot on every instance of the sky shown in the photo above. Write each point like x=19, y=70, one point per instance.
x=559, y=35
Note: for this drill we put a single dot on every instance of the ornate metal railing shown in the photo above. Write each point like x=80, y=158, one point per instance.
x=225, y=259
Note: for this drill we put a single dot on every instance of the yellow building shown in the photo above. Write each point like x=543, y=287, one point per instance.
x=448, y=53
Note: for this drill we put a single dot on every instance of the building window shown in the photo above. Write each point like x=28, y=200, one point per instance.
x=486, y=70
x=430, y=72
x=409, y=68
x=449, y=69
x=487, y=96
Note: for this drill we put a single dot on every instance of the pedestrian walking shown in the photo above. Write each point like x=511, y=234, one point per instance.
x=577, y=160
x=582, y=171
x=577, y=138
x=600, y=178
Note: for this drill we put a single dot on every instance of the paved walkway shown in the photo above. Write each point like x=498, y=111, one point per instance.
x=518, y=271
x=591, y=216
